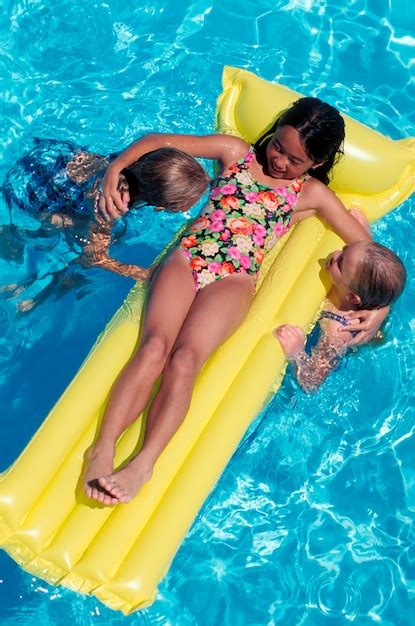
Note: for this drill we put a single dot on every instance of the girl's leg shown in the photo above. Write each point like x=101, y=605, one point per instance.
x=171, y=295
x=215, y=314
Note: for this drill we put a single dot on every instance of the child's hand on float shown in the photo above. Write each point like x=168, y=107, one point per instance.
x=112, y=204
x=291, y=339
x=366, y=322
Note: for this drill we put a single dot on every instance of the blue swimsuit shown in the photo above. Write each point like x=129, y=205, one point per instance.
x=330, y=315
x=39, y=182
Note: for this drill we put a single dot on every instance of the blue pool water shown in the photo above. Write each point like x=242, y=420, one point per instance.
x=312, y=520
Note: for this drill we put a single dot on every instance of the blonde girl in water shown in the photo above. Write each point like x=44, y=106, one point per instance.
x=201, y=293
x=365, y=275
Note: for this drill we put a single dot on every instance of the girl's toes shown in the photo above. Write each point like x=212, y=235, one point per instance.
x=109, y=500
x=117, y=491
x=94, y=493
x=104, y=482
x=101, y=496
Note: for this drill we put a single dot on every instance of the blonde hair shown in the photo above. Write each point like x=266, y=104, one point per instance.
x=380, y=279
x=168, y=178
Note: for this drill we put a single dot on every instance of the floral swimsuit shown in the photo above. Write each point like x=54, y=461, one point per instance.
x=241, y=222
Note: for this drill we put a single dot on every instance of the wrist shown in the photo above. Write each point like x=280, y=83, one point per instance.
x=294, y=356
x=113, y=169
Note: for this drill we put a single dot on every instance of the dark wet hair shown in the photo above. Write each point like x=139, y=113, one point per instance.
x=167, y=178
x=321, y=129
x=380, y=279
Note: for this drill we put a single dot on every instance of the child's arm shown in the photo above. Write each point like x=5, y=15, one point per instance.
x=95, y=253
x=123, y=269
x=317, y=199
x=224, y=148
x=310, y=371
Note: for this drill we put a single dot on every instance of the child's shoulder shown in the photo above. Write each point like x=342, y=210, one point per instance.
x=233, y=148
x=330, y=322
x=315, y=194
x=316, y=189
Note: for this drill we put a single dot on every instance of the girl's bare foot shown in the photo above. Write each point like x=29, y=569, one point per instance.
x=100, y=463
x=123, y=485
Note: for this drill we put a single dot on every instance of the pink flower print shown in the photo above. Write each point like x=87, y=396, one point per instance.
x=225, y=235
x=251, y=196
x=282, y=191
x=279, y=229
x=258, y=240
x=234, y=253
x=216, y=226
x=228, y=189
x=290, y=199
x=249, y=157
x=260, y=230
x=217, y=215
x=216, y=191
x=214, y=267
x=245, y=262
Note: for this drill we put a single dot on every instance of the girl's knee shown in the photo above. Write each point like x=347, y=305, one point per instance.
x=183, y=361
x=155, y=347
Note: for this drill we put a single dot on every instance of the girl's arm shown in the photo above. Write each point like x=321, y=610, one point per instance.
x=224, y=148
x=317, y=199
x=310, y=371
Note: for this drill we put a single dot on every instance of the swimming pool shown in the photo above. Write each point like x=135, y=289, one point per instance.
x=311, y=521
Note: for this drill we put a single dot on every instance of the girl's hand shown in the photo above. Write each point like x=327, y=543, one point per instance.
x=366, y=322
x=112, y=204
x=291, y=339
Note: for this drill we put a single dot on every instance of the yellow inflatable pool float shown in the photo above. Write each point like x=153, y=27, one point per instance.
x=120, y=554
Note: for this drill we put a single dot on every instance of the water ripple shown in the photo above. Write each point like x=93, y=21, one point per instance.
x=334, y=597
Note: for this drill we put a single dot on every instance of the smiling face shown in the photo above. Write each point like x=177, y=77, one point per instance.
x=285, y=154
